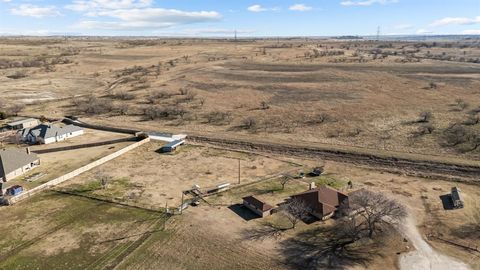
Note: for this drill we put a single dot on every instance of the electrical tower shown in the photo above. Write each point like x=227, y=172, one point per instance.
x=235, y=35
x=378, y=33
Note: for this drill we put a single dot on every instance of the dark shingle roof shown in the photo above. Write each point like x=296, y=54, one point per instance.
x=323, y=199
x=50, y=131
x=13, y=159
x=260, y=205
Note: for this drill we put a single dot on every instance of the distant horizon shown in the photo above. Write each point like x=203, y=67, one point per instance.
x=254, y=18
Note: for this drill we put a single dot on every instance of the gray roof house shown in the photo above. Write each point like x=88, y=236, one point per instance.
x=45, y=134
x=15, y=162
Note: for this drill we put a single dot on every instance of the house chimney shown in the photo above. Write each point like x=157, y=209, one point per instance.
x=312, y=185
x=28, y=150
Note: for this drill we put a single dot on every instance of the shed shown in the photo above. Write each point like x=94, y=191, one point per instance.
x=171, y=146
x=257, y=206
x=457, y=198
x=23, y=123
x=14, y=190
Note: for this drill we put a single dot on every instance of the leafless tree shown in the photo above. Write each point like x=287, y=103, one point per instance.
x=376, y=209
x=285, y=179
x=264, y=105
x=123, y=109
x=104, y=179
x=250, y=123
x=295, y=210
x=15, y=109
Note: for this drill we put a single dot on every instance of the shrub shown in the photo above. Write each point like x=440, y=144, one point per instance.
x=219, y=118
x=250, y=123
x=123, y=95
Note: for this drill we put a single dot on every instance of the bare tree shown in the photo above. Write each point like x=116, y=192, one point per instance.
x=295, y=210
x=15, y=109
x=104, y=179
x=285, y=179
x=376, y=209
x=264, y=105
x=250, y=123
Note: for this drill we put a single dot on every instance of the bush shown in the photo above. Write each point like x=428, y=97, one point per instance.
x=157, y=95
x=425, y=117
x=94, y=105
x=219, y=118
x=320, y=119
x=124, y=96
x=423, y=130
x=250, y=123
x=156, y=112
x=461, y=138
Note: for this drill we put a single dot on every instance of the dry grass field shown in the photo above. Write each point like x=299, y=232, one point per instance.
x=147, y=177
x=419, y=99
x=398, y=96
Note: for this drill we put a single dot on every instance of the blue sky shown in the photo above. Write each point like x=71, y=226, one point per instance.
x=250, y=18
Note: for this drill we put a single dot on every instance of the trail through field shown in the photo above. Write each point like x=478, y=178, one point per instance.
x=425, y=257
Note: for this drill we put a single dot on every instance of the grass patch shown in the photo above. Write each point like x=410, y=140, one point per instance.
x=91, y=226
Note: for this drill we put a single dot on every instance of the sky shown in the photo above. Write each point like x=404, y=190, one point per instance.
x=211, y=18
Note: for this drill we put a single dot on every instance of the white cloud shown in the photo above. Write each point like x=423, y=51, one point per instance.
x=35, y=11
x=456, y=21
x=92, y=5
x=5, y=1
x=471, y=32
x=147, y=18
x=300, y=7
x=367, y=2
x=256, y=8
x=423, y=31
x=215, y=31
x=403, y=26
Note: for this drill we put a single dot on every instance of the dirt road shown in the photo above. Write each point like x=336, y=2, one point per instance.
x=425, y=257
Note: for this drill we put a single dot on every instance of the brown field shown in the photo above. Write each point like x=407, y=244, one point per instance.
x=420, y=99
x=370, y=96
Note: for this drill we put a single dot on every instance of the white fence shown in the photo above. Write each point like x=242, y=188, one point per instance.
x=76, y=172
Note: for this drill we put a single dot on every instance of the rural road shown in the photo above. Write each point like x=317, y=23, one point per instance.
x=424, y=257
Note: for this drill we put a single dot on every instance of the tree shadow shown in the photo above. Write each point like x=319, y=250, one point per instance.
x=268, y=230
x=470, y=231
x=322, y=248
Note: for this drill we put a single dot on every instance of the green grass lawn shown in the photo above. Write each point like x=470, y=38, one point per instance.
x=57, y=231
x=271, y=190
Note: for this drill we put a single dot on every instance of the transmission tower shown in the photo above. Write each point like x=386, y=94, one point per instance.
x=378, y=33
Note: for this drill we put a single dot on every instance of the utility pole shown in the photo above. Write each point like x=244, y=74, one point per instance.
x=378, y=33
x=239, y=171
x=181, y=205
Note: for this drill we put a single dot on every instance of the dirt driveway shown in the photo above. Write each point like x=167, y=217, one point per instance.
x=425, y=257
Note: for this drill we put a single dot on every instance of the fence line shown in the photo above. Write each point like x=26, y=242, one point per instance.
x=86, y=145
x=75, y=173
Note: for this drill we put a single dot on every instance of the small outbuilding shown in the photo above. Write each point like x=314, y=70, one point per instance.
x=23, y=123
x=171, y=146
x=457, y=198
x=257, y=206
